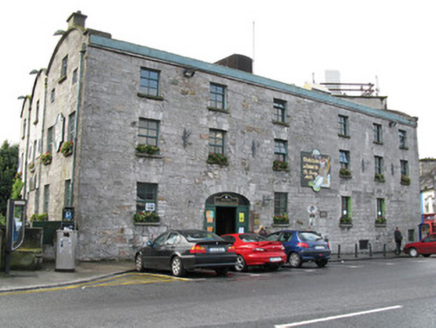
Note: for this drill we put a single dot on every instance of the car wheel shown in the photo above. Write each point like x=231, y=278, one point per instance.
x=138, y=263
x=240, y=265
x=221, y=271
x=295, y=260
x=321, y=263
x=177, y=267
x=426, y=255
x=413, y=252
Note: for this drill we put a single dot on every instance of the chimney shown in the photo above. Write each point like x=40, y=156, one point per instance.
x=76, y=19
x=240, y=62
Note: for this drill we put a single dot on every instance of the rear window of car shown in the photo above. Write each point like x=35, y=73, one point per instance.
x=251, y=237
x=194, y=236
x=310, y=236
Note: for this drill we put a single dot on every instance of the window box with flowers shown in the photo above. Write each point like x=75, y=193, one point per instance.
x=380, y=221
x=280, y=165
x=405, y=180
x=146, y=150
x=280, y=219
x=67, y=148
x=216, y=158
x=345, y=174
x=46, y=158
x=39, y=217
x=379, y=178
x=32, y=167
x=146, y=218
x=345, y=221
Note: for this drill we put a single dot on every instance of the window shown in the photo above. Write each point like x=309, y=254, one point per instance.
x=52, y=95
x=344, y=159
x=411, y=235
x=24, y=129
x=75, y=76
x=149, y=82
x=148, y=132
x=146, y=197
x=64, y=67
x=36, y=113
x=50, y=132
x=279, y=111
x=404, y=168
x=67, y=194
x=71, y=126
x=280, y=203
x=403, y=138
x=378, y=136
x=36, y=205
x=346, y=207
x=217, y=96
x=35, y=148
x=46, y=198
x=280, y=150
x=381, y=207
x=216, y=141
x=378, y=163
x=343, y=125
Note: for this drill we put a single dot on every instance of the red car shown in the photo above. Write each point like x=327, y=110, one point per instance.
x=426, y=247
x=254, y=250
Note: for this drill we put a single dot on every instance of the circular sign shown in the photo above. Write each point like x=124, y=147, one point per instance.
x=311, y=209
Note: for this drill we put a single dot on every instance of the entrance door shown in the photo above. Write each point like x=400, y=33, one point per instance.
x=225, y=220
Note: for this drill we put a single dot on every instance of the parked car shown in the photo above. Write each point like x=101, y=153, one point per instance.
x=303, y=246
x=254, y=250
x=183, y=250
x=426, y=247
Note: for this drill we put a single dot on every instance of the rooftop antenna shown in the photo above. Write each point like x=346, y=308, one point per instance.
x=254, y=37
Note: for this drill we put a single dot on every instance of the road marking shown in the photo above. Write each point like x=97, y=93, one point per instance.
x=130, y=278
x=301, y=323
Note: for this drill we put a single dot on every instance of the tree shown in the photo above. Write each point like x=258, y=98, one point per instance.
x=8, y=170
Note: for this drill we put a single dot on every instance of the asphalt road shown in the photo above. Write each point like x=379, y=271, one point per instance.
x=375, y=293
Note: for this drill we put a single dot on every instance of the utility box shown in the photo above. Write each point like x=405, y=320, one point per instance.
x=66, y=250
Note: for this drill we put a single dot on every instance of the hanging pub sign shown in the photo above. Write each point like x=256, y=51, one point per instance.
x=315, y=170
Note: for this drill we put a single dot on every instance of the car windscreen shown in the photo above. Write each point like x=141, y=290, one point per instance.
x=251, y=237
x=194, y=236
x=310, y=236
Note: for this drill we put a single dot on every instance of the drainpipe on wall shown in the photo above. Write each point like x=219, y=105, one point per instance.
x=29, y=98
x=76, y=127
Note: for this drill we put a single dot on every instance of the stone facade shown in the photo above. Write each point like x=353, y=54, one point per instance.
x=102, y=87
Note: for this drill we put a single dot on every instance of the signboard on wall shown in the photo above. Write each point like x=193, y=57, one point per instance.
x=315, y=170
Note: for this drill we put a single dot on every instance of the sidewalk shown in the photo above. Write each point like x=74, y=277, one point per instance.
x=88, y=271
x=49, y=277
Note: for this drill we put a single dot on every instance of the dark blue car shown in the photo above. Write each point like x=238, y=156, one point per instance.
x=303, y=246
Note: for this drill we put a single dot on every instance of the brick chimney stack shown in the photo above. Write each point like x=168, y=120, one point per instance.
x=76, y=19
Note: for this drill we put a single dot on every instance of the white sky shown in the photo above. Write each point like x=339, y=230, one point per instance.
x=294, y=40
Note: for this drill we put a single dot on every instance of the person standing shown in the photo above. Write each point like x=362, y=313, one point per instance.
x=398, y=239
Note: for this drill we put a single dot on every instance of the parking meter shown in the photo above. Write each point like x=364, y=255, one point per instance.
x=15, y=227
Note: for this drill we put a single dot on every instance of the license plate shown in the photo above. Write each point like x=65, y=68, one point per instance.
x=319, y=247
x=217, y=250
x=275, y=259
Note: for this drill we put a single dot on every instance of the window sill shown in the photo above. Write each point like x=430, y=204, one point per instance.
x=148, y=155
x=280, y=123
x=380, y=225
x=345, y=225
x=404, y=148
x=144, y=95
x=280, y=225
x=221, y=110
x=345, y=177
x=378, y=143
x=146, y=223
x=344, y=136
x=62, y=79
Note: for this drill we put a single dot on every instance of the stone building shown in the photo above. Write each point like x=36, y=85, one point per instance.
x=188, y=144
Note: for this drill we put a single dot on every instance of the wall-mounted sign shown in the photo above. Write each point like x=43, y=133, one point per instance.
x=150, y=207
x=315, y=170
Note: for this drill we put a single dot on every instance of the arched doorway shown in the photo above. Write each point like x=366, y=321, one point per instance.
x=226, y=213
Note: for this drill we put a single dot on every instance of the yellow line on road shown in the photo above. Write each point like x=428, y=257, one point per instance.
x=130, y=278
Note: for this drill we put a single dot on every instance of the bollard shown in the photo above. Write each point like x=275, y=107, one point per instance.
x=384, y=250
x=339, y=251
x=370, y=250
x=355, y=250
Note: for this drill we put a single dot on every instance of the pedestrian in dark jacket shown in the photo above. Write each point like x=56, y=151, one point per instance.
x=398, y=239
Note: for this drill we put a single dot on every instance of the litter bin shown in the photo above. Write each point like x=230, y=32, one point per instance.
x=66, y=250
